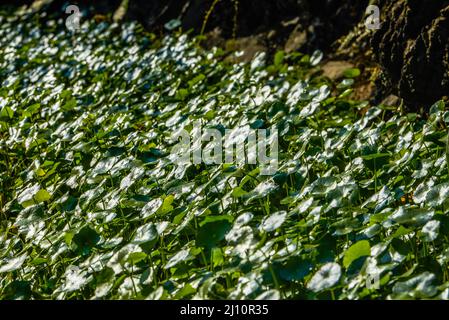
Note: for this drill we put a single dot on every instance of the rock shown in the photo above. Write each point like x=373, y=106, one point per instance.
x=333, y=19
x=296, y=40
x=363, y=91
x=335, y=69
x=391, y=100
x=250, y=46
x=412, y=47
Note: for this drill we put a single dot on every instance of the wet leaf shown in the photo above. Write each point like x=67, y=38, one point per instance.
x=179, y=257
x=274, y=221
x=357, y=250
x=325, y=278
x=85, y=239
x=213, y=230
x=430, y=230
x=352, y=73
x=145, y=234
x=12, y=264
x=421, y=286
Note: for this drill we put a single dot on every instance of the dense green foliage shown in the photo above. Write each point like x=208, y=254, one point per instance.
x=92, y=205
